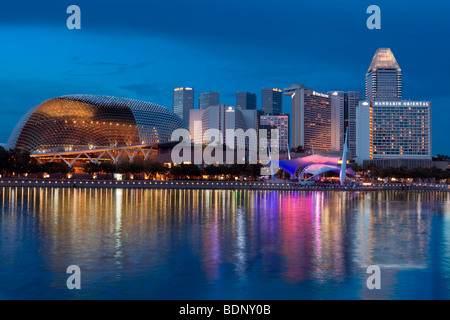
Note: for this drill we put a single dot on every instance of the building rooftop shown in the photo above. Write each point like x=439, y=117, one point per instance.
x=383, y=60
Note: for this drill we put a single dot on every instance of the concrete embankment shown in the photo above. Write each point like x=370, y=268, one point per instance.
x=186, y=184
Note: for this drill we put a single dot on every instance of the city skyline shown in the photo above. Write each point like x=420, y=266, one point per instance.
x=94, y=60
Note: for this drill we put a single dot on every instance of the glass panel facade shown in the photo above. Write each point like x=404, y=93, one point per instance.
x=82, y=122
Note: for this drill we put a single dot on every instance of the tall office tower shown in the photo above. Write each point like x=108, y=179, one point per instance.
x=384, y=77
x=337, y=120
x=222, y=117
x=272, y=101
x=311, y=118
x=394, y=133
x=246, y=100
x=183, y=102
x=195, y=125
x=208, y=99
x=280, y=122
x=351, y=102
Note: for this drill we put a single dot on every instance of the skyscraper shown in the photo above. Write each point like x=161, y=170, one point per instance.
x=222, y=118
x=280, y=122
x=391, y=132
x=311, y=118
x=246, y=100
x=272, y=101
x=384, y=77
x=337, y=120
x=351, y=101
x=183, y=102
x=208, y=99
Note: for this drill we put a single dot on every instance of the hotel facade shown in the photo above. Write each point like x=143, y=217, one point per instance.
x=311, y=118
x=394, y=133
x=391, y=132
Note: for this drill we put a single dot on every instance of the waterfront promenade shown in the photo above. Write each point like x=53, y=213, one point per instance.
x=202, y=184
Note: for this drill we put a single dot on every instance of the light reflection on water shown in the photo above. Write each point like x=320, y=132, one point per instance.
x=223, y=244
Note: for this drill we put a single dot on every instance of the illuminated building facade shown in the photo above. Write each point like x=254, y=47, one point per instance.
x=384, y=77
x=272, y=101
x=337, y=120
x=221, y=117
x=88, y=122
x=311, y=118
x=280, y=122
x=183, y=102
x=392, y=130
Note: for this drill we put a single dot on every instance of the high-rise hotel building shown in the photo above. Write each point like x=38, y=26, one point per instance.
x=311, y=118
x=394, y=133
x=390, y=131
x=183, y=102
x=222, y=117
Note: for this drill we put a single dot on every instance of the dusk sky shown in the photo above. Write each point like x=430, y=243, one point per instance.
x=144, y=49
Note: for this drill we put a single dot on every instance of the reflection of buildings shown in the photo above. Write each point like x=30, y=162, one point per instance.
x=394, y=235
x=312, y=237
x=204, y=241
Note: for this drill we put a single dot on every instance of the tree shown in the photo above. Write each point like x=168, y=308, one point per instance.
x=18, y=160
x=4, y=160
x=183, y=170
x=92, y=168
x=298, y=149
x=55, y=167
x=154, y=167
x=108, y=168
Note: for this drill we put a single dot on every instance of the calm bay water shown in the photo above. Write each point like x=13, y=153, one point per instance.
x=212, y=244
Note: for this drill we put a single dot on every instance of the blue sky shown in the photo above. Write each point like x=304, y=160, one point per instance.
x=144, y=49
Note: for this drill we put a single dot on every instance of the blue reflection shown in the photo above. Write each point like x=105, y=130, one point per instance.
x=223, y=244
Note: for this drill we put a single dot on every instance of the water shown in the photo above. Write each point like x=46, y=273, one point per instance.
x=213, y=244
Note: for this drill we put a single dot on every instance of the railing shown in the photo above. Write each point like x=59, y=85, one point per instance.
x=174, y=184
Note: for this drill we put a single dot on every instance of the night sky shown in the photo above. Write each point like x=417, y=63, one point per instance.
x=144, y=49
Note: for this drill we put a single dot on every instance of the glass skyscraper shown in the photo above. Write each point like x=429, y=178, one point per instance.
x=272, y=101
x=246, y=100
x=208, y=99
x=183, y=102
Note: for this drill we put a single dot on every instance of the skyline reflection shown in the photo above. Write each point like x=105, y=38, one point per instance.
x=225, y=244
